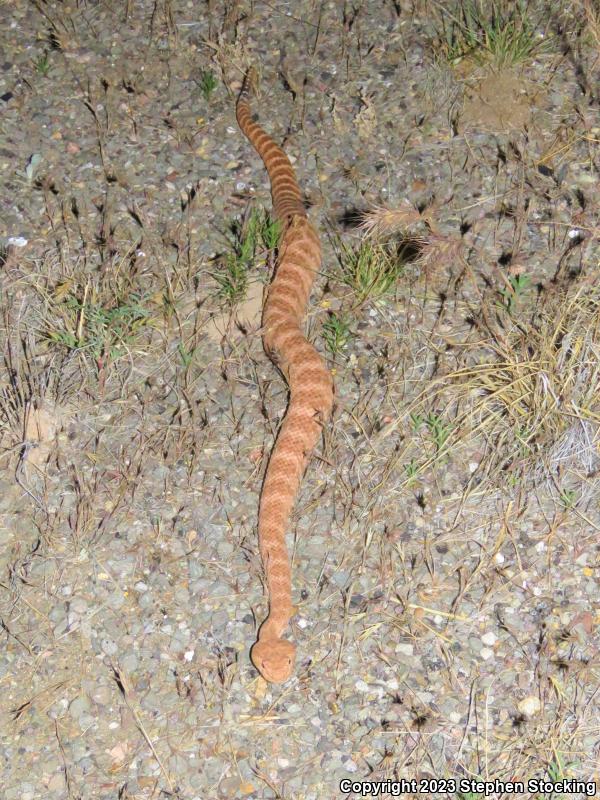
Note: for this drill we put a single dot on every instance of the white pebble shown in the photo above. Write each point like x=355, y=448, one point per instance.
x=529, y=706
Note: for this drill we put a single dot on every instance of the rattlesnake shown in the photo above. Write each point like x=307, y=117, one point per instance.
x=310, y=385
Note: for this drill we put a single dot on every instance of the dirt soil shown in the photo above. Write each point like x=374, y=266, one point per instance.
x=445, y=557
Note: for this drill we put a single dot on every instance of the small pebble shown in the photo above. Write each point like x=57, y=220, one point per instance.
x=529, y=706
x=80, y=705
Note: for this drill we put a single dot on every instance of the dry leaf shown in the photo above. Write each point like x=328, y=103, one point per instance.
x=62, y=290
x=366, y=120
x=41, y=425
x=119, y=751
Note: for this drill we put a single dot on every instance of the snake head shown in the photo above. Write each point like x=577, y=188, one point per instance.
x=274, y=659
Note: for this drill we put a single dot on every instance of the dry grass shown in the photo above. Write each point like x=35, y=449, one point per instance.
x=527, y=397
x=588, y=12
x=531, y=397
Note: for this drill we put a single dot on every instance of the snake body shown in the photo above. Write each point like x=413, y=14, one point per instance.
x=310, y=389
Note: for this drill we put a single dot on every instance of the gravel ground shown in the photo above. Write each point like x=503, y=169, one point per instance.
x=447, y=620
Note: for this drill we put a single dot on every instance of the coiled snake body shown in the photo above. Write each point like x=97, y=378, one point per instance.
x=310, y=386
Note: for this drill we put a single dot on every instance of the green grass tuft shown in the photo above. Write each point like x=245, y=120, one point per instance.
x=42, y=65
x=208, y=83
x=497, y=32
x=336, y=333
x=513, y=293
x=371, y=269
x=255, y=236
x=104, y=330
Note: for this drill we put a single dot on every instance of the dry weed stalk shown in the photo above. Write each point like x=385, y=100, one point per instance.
x=381, y=221
x=591, y=11
x=436, y=251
